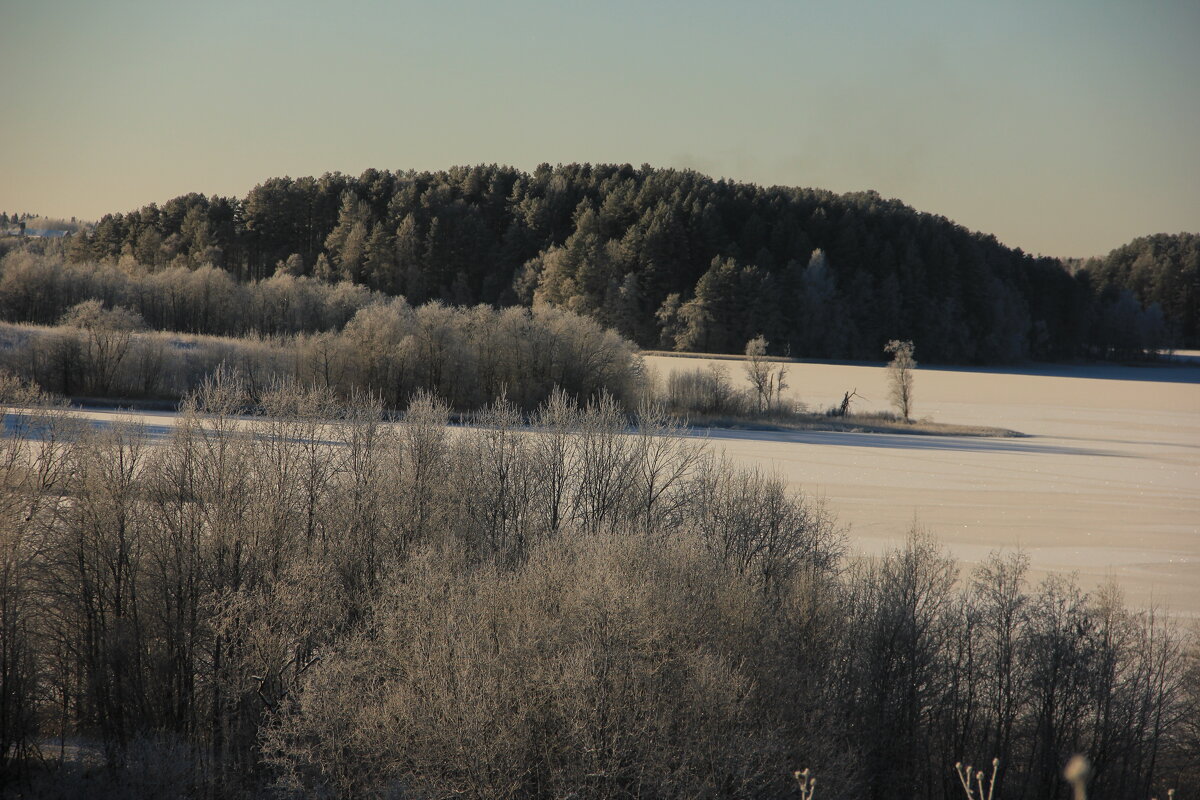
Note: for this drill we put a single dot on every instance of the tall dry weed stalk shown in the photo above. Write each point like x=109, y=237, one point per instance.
x=1076, y=772
x=975, y=789
x=807, y=783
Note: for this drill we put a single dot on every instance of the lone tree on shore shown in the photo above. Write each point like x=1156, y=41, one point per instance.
x=900, y=375
x=769, y=379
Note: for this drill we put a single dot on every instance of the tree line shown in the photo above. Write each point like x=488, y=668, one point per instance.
x=317, y=602
x=1160, y=271
x=20, y=221
x=388, y=350
x=40, y=288
x=669, y=258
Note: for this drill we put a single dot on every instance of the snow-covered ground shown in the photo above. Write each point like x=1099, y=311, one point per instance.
x=1107, y=483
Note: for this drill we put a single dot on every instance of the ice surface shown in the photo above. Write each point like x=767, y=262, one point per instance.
x=1106, y=484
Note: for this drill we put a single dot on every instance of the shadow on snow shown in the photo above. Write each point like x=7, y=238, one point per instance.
x=903, y=441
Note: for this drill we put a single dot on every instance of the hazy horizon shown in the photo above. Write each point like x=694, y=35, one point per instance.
x=1065, y=130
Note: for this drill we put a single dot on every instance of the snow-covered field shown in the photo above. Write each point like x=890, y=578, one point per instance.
x=1106, y=484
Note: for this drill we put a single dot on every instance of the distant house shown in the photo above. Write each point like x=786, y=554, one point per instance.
x=45, y=233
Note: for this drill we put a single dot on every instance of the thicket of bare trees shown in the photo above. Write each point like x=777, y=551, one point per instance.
x=41, y=288
x=708, y=393
x=317, y=602
x=390, y=350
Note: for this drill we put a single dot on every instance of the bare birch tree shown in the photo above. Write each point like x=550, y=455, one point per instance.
x=900, y=375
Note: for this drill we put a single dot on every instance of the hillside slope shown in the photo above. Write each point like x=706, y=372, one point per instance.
x=670, y=258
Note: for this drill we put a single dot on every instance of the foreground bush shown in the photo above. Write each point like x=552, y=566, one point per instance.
x=603, y=667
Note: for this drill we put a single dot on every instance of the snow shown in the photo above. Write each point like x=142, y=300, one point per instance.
x=1107, y=484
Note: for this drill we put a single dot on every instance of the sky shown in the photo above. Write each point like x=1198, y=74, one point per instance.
x=1063, y=127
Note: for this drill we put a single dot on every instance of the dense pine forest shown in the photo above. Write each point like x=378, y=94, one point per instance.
x=1157, y=270
x=671, y=259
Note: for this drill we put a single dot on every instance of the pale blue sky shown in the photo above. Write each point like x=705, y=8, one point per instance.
x=1065, y=128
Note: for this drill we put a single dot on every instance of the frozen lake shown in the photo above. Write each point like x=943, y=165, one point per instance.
x=1107, y=483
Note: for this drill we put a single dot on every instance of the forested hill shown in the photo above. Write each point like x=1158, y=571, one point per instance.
x=1162, y=270
x=670, y=258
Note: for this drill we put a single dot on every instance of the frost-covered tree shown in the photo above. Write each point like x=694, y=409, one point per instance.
x=766, y=376
x=900, y=375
